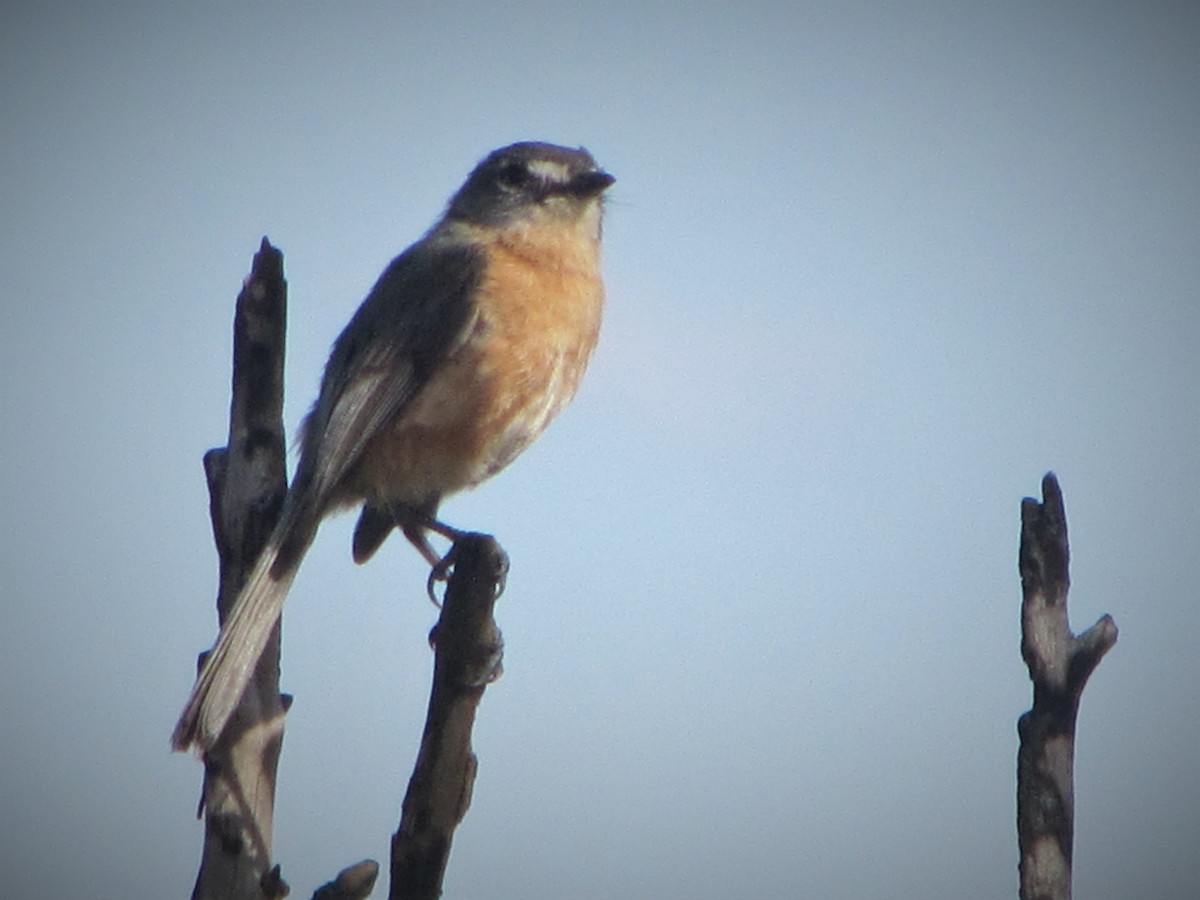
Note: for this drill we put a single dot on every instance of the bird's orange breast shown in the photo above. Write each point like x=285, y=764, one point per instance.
x=538, y=318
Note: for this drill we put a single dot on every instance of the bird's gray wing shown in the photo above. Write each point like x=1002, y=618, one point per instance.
x=418, y=313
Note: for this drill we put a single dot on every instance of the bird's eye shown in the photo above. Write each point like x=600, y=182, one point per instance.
x=513, y=175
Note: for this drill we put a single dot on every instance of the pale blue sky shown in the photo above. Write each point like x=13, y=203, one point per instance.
x=873, y=268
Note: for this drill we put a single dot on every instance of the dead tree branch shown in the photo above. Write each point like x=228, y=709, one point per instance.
x=353, y=883
x=468, y=649
x=1059, y=666
x=247, y=481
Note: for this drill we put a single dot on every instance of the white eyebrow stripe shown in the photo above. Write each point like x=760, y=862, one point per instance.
x=549, y=170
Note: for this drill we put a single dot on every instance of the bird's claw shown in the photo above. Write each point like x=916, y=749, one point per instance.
x=440, y=571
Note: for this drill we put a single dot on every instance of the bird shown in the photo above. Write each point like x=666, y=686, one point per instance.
x=469, y=343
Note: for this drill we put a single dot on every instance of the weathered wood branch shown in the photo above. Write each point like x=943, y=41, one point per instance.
x=247, y=481
x=468, y=649
x=1059, y=666
x=353, y=883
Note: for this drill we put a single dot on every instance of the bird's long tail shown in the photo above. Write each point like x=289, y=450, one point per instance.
x=230, y=664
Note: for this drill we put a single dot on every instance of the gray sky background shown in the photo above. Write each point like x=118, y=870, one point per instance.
x=873, y=269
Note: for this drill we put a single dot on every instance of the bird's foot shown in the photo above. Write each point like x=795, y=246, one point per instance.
x=439, y=571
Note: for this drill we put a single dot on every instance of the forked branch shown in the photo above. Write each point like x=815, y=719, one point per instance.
x=1059, y=665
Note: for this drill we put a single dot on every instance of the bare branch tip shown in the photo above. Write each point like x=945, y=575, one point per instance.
x=1050, y=485
x=1052, y=502
x=1101, y=637
x=352, y=883
x=268, y=263
x=272, y=884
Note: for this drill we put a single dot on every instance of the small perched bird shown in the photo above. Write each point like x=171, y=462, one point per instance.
x=469, y=343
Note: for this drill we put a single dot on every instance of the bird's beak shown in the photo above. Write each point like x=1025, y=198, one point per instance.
x=588, y=184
